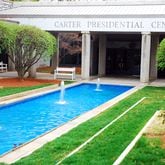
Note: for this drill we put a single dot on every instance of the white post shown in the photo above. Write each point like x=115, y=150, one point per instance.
x=55, y=58
x=85, y=64
x=145, y=57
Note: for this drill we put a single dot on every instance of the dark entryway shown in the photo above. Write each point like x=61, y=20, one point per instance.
x=123, y=55
x=4, y=57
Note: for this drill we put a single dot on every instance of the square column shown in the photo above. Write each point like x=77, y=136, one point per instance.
x=85, y=64
x=145, y=57
x=102, y=55
x=55, y=57
x=153, y=62
x=91, y=57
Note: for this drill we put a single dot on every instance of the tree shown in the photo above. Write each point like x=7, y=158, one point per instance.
x=26, y=46
x=161, y=55
x=8, y=33
x=7, y=36
x=70, y=43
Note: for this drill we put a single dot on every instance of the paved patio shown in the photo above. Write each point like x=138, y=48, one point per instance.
x=113, y=80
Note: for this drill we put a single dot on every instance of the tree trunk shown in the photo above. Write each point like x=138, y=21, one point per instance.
x=32, y=72
x=20, y=74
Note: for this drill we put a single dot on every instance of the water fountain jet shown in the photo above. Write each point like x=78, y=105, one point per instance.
x=98, y=85
x=62, y=93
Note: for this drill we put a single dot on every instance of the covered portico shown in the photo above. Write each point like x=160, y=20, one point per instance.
x=148, y=67
x=104, y=19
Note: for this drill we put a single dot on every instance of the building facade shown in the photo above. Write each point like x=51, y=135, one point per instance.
x=118, y=37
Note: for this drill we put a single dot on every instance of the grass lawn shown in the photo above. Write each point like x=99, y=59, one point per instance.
x=147, y=151
x=151, y=146
x=12, y=90
x=108, y=146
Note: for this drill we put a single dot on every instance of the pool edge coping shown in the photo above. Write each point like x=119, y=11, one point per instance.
x=20, y=95
x=32, y=93
x=29, y=147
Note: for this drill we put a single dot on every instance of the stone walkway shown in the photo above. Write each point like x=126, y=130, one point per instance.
x=111, y=80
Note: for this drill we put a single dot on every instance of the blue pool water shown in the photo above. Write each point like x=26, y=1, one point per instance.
x=21, y=122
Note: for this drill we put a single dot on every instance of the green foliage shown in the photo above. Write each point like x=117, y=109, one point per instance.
x=7, y=36
x=25, y=45
x=36, y=41
x=31, y=44
x=161, y=55
x=3, y=164
x=147, y=151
